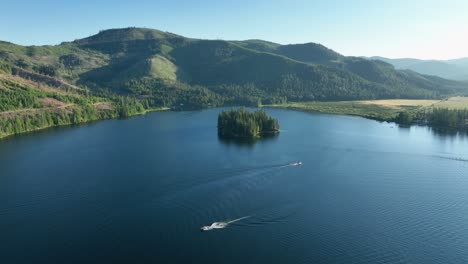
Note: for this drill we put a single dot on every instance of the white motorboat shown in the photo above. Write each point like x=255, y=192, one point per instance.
x=219, y=225
x=215, y=225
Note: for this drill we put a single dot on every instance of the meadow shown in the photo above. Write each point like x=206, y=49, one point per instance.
x=383, y=110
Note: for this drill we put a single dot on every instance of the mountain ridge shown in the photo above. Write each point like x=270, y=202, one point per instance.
x=113, y=58
x=455, y=69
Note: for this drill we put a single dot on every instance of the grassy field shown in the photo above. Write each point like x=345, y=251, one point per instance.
x=384, y=110
x=453, y=103
x=400, y=103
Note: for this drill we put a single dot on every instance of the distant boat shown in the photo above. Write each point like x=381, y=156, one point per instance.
x=297, y=163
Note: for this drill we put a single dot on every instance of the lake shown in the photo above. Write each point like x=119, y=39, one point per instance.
x=138, y=191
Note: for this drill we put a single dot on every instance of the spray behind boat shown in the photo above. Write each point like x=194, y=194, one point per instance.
x=219, y=225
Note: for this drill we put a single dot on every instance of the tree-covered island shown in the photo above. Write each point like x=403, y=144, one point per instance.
x=241, y=123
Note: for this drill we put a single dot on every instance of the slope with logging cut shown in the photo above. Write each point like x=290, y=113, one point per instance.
x=114, y=59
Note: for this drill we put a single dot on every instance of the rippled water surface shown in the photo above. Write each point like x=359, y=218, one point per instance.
x=138, y=191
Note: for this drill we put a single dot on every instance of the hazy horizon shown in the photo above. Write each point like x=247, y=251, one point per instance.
x=420, y=29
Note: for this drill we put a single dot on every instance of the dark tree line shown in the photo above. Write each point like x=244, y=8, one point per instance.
x=244, y=124
x=42, y=118
x=46, y=70
x=445, y=118
x=16, y=123
x=448, y=118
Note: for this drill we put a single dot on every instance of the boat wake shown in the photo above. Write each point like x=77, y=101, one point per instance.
x=281, y=165
x=220, y=177
x=450, y=158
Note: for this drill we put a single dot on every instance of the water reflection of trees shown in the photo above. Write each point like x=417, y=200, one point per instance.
x=247, y=142
x=447, y=132
x=440, y=132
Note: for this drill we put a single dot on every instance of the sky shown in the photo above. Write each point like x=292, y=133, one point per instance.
x=425, y=29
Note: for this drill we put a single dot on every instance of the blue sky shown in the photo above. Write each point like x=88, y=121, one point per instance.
x=426, y=29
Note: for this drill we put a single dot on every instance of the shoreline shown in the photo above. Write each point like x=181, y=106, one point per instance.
x=389, y=111
x=370, y=109
x=158, y=109
x=298, y=109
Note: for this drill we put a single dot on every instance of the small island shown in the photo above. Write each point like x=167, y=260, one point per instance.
x=241, y=123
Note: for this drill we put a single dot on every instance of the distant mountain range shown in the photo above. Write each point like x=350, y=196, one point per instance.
x=456, y=69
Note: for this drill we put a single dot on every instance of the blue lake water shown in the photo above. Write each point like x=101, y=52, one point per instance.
x=138, y=191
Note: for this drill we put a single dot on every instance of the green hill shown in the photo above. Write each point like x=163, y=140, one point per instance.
x=112, y=59
x=400, y=83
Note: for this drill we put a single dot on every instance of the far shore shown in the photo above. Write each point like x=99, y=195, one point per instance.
x=381, y=110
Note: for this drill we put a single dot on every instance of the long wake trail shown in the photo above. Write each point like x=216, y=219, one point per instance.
x=255, y=168
x=231, y=174
x=238, y=219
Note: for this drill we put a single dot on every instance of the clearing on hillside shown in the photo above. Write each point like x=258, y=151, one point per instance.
x=163, y=68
